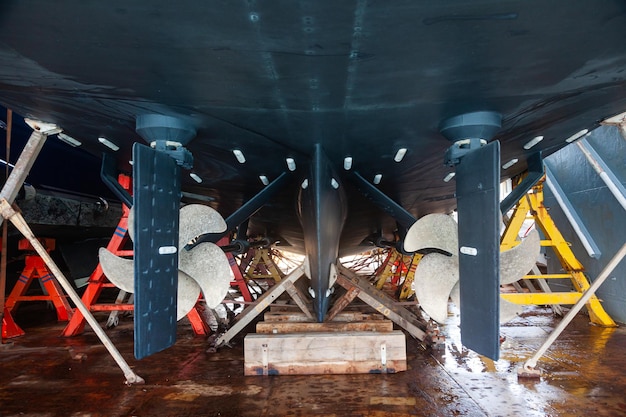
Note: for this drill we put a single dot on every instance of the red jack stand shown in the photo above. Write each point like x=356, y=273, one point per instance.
x=98, y=281
x=10, y=329
x=240, y=281
x=36, y=269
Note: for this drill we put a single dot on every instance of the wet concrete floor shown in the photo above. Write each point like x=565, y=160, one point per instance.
x=43, y=374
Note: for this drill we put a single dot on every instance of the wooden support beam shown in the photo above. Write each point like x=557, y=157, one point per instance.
x=277, y=327
x=342, y=303
x=301, y=317
x=259, y=306
x=299, y=298
x=324, y=353
x=381, y=302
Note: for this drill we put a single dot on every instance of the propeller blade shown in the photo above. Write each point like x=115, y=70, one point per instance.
x=188, y=294
x=120, y=272
x=517, y=261
x=198, y=219
x=156, y=197
x=434, y=278
x=477, y=190
x=208, y=265
x=508, y=310
x=433, y=232
x=437, y=275
x=194, y=220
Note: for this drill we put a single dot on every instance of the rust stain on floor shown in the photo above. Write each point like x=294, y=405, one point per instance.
x=43, y=374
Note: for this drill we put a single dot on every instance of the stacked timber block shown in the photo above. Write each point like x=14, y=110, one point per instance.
x=290, y=343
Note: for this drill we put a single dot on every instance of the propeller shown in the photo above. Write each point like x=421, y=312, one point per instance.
x=120, y=272
x=433, y=232
x=204, y=267
x=437, y=275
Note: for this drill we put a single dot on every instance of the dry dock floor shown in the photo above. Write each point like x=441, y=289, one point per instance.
x=42, y=374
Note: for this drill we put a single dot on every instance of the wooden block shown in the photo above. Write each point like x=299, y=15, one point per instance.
x=335, y=326
x=284, y=308
x=280, y=306
x=324, y=353
x=301, y=317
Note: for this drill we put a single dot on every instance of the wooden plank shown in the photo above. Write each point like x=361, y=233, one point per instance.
x=301, y=317
x=289, y=306
x=300, y=299
x=259, y=306
x=381, y=302
x=324, y=353
x=342, y=303
x=303, y=327
x=279, y=307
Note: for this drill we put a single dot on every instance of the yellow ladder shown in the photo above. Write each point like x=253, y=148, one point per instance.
x=531, y=207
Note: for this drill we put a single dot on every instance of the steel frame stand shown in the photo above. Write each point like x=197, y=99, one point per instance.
x=239, y=282
x=7, y=197
x=533, y=203
x=36, y=269
x=98, y=281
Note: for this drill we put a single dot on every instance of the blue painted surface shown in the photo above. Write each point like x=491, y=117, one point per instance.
x=599, y=210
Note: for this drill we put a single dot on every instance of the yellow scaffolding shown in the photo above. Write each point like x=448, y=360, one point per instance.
x=531, y=207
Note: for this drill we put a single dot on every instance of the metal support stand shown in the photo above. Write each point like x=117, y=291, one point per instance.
x=533, y=203
x=98, y=281
x=240, y=282
x=114, y=316
x=36, y=269
x=528, y=370
x=7, y=196
x=5, y=323
x=10, y=328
